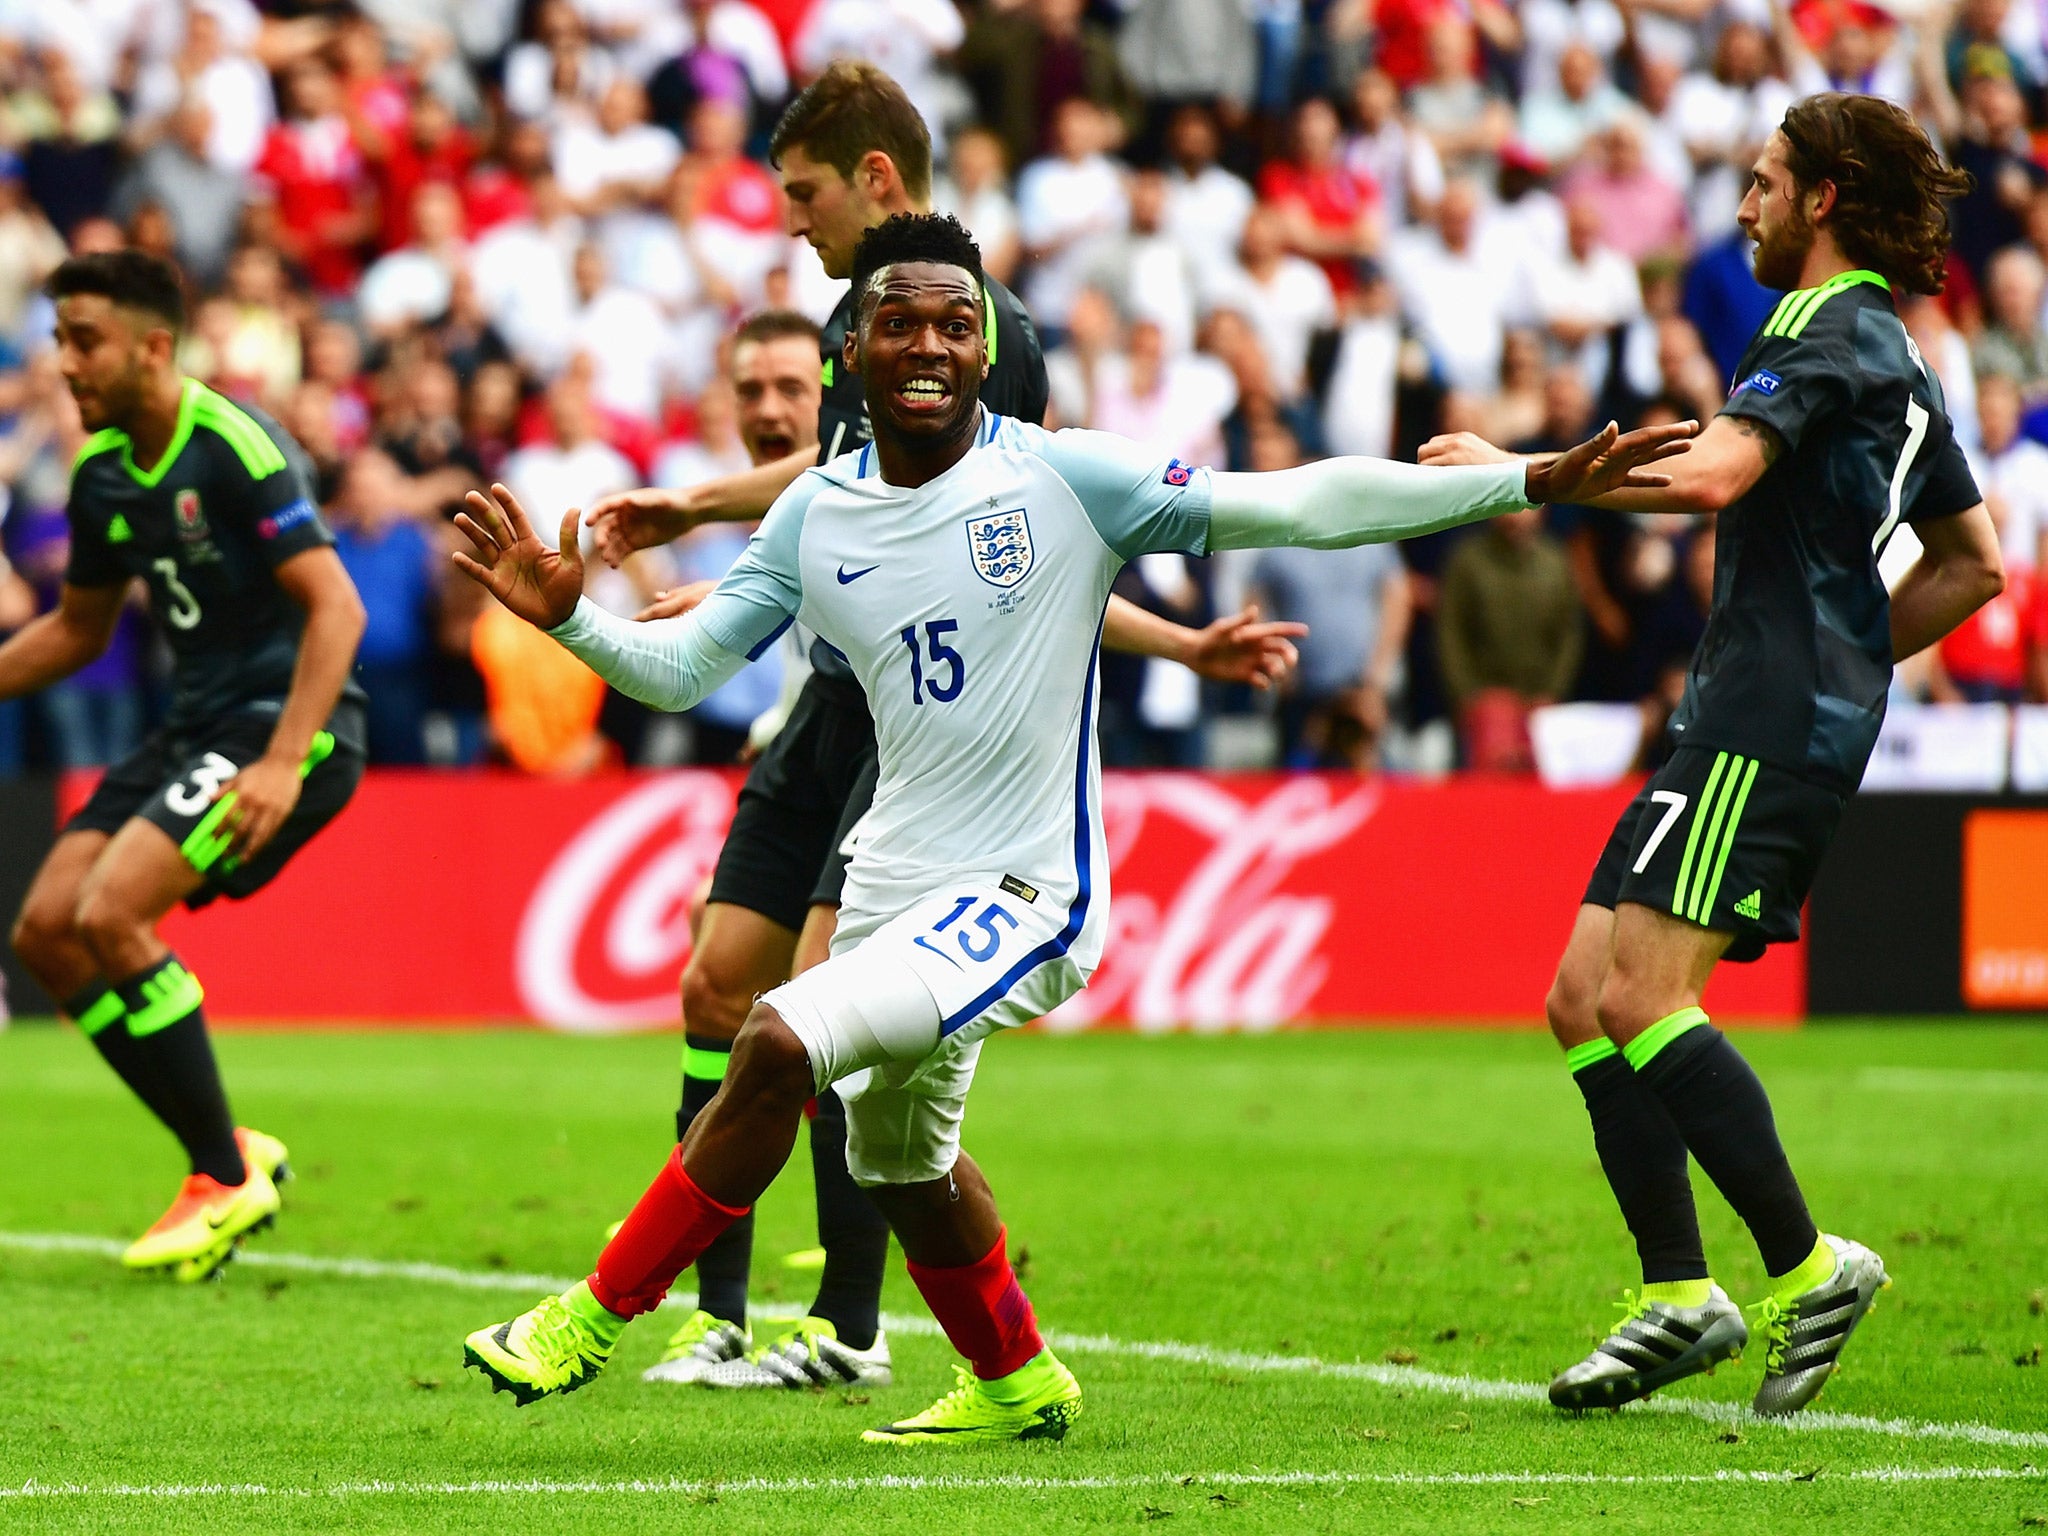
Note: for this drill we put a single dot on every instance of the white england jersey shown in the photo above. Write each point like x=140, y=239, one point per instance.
x=970, y=608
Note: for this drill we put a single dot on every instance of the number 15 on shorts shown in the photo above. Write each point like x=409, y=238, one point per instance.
x=974, y=929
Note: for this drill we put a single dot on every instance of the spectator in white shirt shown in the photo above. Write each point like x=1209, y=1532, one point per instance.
x=558, y=75
x=1206, y=206
x=1145, y=269
x=1582, y=296
x=2015, y=470
x=1287, y=299
x=623, y=335
x=521, y=270
x=1557, y=122
x=1358, y=402
x=573, y=468
x=906, y=38
x=411, y=285
x=1067, y=203
x=1397, y=158
x=1451, y=294
x=976, y=191
x=211, y=66
x=618, y=159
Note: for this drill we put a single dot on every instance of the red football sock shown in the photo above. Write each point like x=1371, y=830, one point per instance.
x=983, y=1310
x=673, y=1223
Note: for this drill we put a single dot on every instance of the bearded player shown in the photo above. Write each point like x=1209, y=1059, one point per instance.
x=1835, y=434
x=210, y=506
x=976, y=897
x=852, y=151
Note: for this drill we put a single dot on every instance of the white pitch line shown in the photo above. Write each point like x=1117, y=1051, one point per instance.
x=1397, y=1377
x=947, y=1483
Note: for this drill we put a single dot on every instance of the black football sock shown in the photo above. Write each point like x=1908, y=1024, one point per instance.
x=1724, y=1115
x=1644, y=1159
x=168, y=1049
x=722, y=1268
x=102, y=1018
x=850, y=1230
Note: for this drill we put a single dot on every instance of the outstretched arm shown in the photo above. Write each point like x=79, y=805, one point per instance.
x=633, y=520
x=1341, y=502
x=669, y=664
x=61, y=641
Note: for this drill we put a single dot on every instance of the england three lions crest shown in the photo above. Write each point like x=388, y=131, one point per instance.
x=1001, y=546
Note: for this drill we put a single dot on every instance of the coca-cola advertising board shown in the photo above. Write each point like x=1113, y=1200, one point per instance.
x=1240, y=902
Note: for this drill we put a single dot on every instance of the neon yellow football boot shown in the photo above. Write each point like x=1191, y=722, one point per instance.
x=557, y=1347
x=1038, y=1402
x=199, y=1232
x=265, y=1152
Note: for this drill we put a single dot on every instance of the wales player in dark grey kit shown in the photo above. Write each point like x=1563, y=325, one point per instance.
x=210, y=506
x=1834, y=435
x=852, y=151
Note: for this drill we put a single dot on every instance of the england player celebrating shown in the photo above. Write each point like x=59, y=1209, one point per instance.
x=852, y=151
x=961, y=562
x=210, y=505
x=1834, y=435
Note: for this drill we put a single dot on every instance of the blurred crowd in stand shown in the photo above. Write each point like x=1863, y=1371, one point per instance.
x=451, y=240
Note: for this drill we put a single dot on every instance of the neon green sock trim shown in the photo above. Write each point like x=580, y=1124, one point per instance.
x=101, y=1014
x=1640, y=1050
x=1587, y=1052
x=705, y=1064
x=600, y=1319
x=1680, y=1293
x=172, y=993
x=1811, y=1270
x=1029, y=1379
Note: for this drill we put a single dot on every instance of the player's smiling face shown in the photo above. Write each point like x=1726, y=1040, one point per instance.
x=104, y=353
x=920, y=351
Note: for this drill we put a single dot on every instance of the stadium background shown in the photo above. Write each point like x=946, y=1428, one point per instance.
x=450, y=241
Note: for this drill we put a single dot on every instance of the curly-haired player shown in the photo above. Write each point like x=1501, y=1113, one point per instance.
x=1834, y=434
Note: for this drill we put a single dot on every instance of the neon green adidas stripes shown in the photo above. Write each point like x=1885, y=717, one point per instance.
x=168, y=996
x=1645, y=1046
x=1587, y=1052
x=707, y=1066
x=102, y=1013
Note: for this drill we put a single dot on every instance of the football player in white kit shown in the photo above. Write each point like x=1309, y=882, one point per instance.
x=961, y=562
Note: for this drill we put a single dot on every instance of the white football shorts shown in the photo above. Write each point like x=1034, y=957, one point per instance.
x=896, y=1021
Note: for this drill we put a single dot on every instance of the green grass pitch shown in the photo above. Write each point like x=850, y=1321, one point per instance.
x=1420, y=1210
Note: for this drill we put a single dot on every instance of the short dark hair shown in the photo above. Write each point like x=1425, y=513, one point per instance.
x=776, y=325
x=934, y=237
x=131, y=279
x=850, y=110
x=1892, y=188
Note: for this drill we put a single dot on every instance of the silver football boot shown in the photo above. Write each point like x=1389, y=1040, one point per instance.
x=1804, y=1335
x=1654, y=1344
x=808, y=1355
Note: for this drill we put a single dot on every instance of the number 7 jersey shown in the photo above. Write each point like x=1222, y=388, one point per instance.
x=970, y=609
x=1797, y=658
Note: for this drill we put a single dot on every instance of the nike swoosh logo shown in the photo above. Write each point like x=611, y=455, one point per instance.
x=846, y=576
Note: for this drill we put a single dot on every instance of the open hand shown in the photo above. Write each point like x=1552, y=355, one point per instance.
x=1610, y=460
x=627, y=521
x=539, y=584
x=1237, y=648
x=675, y=601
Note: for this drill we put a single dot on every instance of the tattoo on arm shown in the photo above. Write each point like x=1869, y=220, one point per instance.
x=1768, y=443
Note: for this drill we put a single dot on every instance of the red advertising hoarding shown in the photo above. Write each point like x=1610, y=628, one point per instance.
x=1240, y=901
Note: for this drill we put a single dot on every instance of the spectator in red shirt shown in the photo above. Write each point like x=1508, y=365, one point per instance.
x=500, y=190
x=318, y=181
x=1331, y=210
x=730, y=187
x=432, y=147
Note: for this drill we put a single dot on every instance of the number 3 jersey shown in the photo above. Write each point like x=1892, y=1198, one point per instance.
x=230, y=500
x=1797, y=658
x=970, y=609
